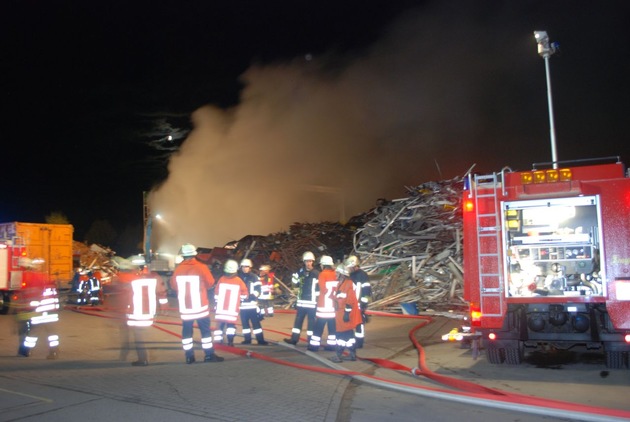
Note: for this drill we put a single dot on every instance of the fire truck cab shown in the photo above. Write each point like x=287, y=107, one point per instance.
x=547, y=260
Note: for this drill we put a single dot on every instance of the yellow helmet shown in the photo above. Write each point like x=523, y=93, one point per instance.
x=343, y=270
x=352, y=261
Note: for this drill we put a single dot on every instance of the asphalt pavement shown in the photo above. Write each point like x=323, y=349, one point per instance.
x=93, y=379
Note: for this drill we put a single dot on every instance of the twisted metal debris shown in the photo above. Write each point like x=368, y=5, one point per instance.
x=412, y=248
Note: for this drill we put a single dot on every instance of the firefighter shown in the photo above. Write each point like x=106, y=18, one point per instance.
x=37, y=315
x=74, y=283
x=83, y=288
x=325, y=311
x=94, y=288
x=228, y=294
x=268, y=288
x=250, y=313
x=191, y=280
x=139, y=296
x=347, y=315
x=305, y=280
x=364, y=294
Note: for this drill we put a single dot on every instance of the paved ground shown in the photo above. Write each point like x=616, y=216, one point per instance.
x=94, y=381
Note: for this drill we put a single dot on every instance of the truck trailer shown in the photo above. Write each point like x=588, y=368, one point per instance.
x=33, y=253
x=547, y=259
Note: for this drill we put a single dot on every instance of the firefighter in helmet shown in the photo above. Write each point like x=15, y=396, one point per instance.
x=363, y=290
x=138, y=296
x=191, y=280
x=37, y=313
x=229, y=286
x=325, y=311
x=347, y=315
x=268, y=287
x=250, y=313
x=305, y=280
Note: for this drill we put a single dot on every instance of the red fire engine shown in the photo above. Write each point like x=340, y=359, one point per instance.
x=547, y=259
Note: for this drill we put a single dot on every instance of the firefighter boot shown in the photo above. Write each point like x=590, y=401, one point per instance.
x=230, y=339
x=247, y=339
x=212, y=357
x=260, y=338
x=338, y=355
x=353, y=354
x=190, y=357
x=293, y=340
x=53, y=353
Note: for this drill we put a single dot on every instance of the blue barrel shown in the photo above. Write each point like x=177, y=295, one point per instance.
x=409, y=308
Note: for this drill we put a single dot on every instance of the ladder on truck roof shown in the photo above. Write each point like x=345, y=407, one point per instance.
x=486, y=192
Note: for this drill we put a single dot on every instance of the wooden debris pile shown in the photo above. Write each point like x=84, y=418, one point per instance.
x=95, y=258
x=412, y=249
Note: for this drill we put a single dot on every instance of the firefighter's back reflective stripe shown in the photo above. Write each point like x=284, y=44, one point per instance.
x=189, y=296
x=228, y=300
x=144, y=302
x=325, y=301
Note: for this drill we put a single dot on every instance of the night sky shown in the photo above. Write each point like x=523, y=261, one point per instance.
x=98, y=97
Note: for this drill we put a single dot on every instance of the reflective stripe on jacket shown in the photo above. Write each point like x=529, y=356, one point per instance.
x=325, y=291
x=228, y=294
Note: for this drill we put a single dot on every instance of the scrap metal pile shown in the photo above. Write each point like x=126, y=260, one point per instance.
x=412, y=249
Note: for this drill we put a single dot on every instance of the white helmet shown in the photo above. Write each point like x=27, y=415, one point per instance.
x=265, y=268
x=188, y=250
x=308, y=256
x=231, y=267
x=246, y=263
x=326, y=260
x=351, y=261
x=343, y=270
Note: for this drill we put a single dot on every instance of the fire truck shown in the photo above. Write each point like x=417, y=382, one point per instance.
x=547, y=259
x=33, y=253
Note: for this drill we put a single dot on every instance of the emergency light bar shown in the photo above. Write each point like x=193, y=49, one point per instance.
x=546, y=176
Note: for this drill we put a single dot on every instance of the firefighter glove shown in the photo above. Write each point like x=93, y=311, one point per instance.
x=346, y=316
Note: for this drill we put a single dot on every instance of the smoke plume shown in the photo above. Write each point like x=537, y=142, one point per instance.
x=322, y=138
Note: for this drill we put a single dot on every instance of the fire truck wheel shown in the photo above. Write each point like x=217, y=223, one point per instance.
x=615, y=359
x=495, y=355
x=513, y=355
